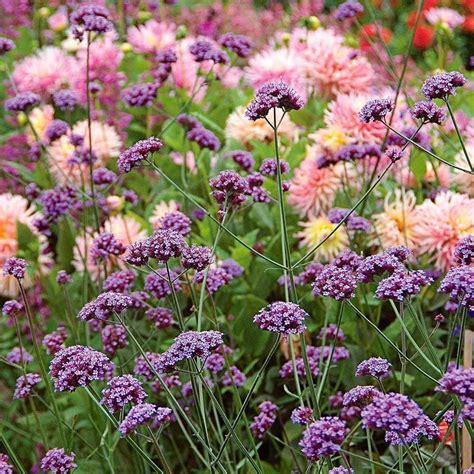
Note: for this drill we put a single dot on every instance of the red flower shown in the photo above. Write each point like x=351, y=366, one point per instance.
x=443, y=429
x=468, y=25
x=375, y=33
x=423, y=38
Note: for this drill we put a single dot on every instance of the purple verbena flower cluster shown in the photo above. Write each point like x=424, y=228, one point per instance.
x=137, y=153
x=281, y=317
x=267, y=414
x=25, y=385
x=121, y=391
x=57, y=461
x=441, y=86
x=375, y=367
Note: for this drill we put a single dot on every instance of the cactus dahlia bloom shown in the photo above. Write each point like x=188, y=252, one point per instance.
x=441, y=224
x=13, y=210
x=315, y=230
x=126, y=231
x=151, y=37
x=242, y=130
x=106, y=144
x=396, y=225
x=45, y=72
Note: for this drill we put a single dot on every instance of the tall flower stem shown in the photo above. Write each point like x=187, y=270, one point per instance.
x=89, y=131
x=39, y=356
x=453, y=118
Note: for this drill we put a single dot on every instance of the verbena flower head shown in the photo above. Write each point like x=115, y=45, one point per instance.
x=113, y=338
x=57, y=461
x=331, y=333
x=22, y=102
x=335, y=282
x=77, y=366
x=161, y=317
x=15, y=267
x=54, y=341
x=11, y=307
x=458, y=382
x=5, y=466
x=375, y=366
x=105, y=305
x=269, y=167
x=137, y=153
x=90, y=19
x=204, y=138
x=234, y=376
x=141, y=415
x=428, y=112
x=264, y=420
x=163, y=415
x=441, y=86
x=136, y=253
x=377, y=265
x=464, y=250
x=176, y=221
x=229, y=187
x=201, y=50
x=6, y=45
x=120, y=281
x=105, y=245
x=25, y=385
x=281, y=317
x=458, y=285
x=238, y=44
x=141, y=95
x=348, y=9
x=401, y=418
x=301, y=415
x=402, y=284
x=65, y=99
x=242, y=158
x=375, y=110
x=56, y=129
x=341, y=470
x=190, y=344
x=215, y=363
x=158, y=284
x=196, y=257
x=121, y=391
x=19, y=356
x=360, y=396
x=142, y=367
x=273, y=95
x=63, y=277
x=323, y=437
x=166, y=56
x=164, y=244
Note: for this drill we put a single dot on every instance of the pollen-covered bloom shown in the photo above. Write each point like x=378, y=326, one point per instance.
x=77, y=366
x=25, y=385
x=281, y=317
x=441, y=224
x=317, y=229
x=401, y=418
x=57, y=461
x=323, y=437
x=375, y=366
x=121, y=391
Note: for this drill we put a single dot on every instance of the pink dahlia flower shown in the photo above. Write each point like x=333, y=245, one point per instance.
x=151, y=37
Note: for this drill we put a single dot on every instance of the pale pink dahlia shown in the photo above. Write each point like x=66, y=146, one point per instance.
x=40, y=118
x=151, y=37
x=276, y=65
x=464, y=181
x=396, y=225
x=343, y=112
x=446, y=17
x=162, y=208
x=13, y=210
x=332, y=68
x=48, y=71
x=440, y=225
x=313, y=189
x=106, y=144
x=242, y=130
